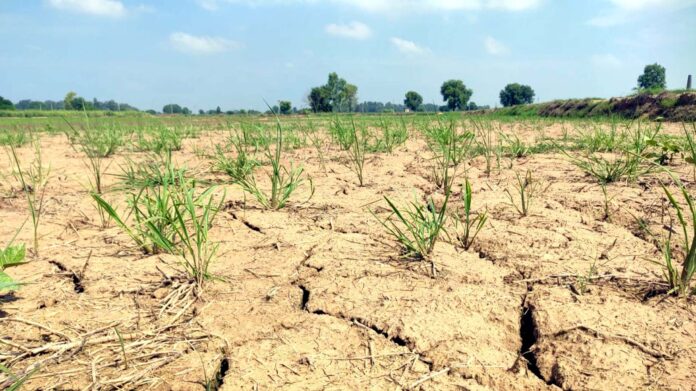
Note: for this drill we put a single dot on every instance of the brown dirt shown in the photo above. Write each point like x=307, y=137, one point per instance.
x=314, y=296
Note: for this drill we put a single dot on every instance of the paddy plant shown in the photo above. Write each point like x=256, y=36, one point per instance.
x=341, y=133
x=11, y=256
x=393, y=134
x=156, y=170
x=416, y=227
x=526, y=190
x=356, y=152
x=449, y=147
x=33, y=181
x=15, y=137
x=467, y=223
x=284, y=180
x=610, y=169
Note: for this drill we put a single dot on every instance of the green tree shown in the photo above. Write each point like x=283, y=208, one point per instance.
x=455, y=93
x=6, y=104
x=336, y=95
x=516, y=94
x=285, y=106
x=653, y=77
x=413, y=100
x=172, y=108
x=218, y=110
x=68, y=100
x=319, y=100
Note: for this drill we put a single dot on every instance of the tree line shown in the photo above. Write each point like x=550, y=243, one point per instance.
x=338, y=95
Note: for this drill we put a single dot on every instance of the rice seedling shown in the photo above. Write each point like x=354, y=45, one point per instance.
x=159, y=139
x=526, y=191
x=239, y=168
x=284, y=181
x=14, y=381
x=607, y=202
x=155, y=171
x=15, y=137
x=11, y=256
x=392, y=135
x=343, y=135
x=690, y=149
x=356, y=152
x=600, y=140
x=416, y=227
x=607, y=170
x=680, y=280
x=194, y=218
x=449, y=148
x=513, y=146
x=317, y=141
x=33, y=181
x=467, y=224
x=485, y=142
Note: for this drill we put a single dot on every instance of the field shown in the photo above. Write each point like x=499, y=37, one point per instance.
x=428, y=252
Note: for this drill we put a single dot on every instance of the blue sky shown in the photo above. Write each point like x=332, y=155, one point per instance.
x=236, y=53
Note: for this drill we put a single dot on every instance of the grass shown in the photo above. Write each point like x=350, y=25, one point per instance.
x=33, y=181
x=356, y=152
x=416, y=227
x=467, y=224
x=678, y=279
x=11, y=256
x=155, y=171
x=284, y=180
x=527, y=189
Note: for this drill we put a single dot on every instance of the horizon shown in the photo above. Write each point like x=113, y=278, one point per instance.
x=237, y=53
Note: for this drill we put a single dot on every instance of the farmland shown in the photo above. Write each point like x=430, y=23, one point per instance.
x=388, y=251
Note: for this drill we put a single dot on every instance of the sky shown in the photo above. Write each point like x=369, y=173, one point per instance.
x=238, y=53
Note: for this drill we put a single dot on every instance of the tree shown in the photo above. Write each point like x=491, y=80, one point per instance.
x=172, y=108
x=455, y=93
x=516, y=94
x=336, y=95
x=653, y=77
x=79, y=103
x=413, y=100
x=68, y=100
x=218, y=110
x=6, y=104
x=285, y=106
x=319, y=100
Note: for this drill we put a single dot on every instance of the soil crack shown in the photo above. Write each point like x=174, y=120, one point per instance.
x=76, y=279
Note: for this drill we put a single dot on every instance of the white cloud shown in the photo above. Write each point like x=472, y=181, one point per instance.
x=495, y=47
x=354, y=30
x=624, y=11
x=210, y=5
x=406, y=46
x=411, y=5
x=605, y=61
x=200, y=44
x=111, y=8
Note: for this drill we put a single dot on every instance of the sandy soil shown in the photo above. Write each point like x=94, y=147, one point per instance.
x=314, y=296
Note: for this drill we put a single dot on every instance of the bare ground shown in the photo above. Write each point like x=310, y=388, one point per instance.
x=314, y=296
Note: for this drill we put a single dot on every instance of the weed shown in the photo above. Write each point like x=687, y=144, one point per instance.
x=466, y=224
x=33, y=181
x=11, y=256
x=416, y=227
x=526, y=189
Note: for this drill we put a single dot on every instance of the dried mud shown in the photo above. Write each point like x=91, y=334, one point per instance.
x=314, y=296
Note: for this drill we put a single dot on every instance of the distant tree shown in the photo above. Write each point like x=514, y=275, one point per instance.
x=319, y=100
x=68, y=100
x=79, y=103
x=218, y=110
x=186, y=111
x=201, y=112
x=285, y=107
x=413, y=100
x=153, y=112
x=516, y=94
x=336, y=95
x=653, y=77
x=172, y=108
x=455, y=93
x=6, y=104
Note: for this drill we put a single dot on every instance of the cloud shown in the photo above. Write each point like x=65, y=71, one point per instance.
x=209, y=5
x=353, y=30
x=200, y=44
x=605, y=61
x=625, y=11
x=410, y=5
x=495, y=47
x=110, y=8
x=407, y=47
